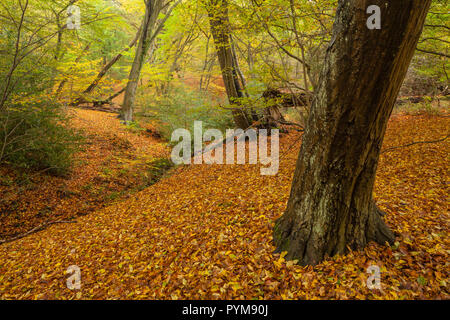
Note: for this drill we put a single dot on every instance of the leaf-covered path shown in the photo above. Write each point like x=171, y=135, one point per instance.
x=114, y=162
x=205, y=233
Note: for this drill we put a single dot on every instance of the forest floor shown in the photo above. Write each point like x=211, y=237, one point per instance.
x=115, y=162
x=205, y=232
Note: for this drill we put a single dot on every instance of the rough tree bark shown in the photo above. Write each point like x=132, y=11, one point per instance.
x=331, y=206
x=220, y=29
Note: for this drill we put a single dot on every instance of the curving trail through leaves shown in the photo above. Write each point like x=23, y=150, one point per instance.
x=205, y=233
x=114, y=162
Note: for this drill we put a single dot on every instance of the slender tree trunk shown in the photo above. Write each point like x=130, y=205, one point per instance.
x=16, y=60
x=212, y=62
x=64, y=81
x=205, y=64
x=109, y=65
x=220, y=29
x=152, y=9
x=239, y=72
x=149, y=33
x=331, y=206
x=105, y=69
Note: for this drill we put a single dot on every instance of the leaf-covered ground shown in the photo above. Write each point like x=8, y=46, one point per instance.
x=114, y=163
x=205, y=233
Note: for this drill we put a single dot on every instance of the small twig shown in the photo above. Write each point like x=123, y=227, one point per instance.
x=417, y=142
x=229, y=108
x=285, y=153
x=37, y=173
x=34, y=230
x=289, y=123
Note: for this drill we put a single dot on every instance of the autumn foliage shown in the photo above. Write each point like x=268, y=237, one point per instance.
x=205, y=232
x=86, y=120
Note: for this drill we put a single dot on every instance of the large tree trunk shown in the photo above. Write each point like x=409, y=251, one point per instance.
x=331, y=206
x=220, y=29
